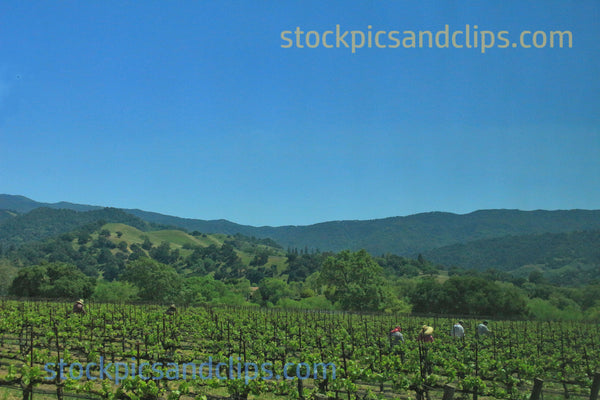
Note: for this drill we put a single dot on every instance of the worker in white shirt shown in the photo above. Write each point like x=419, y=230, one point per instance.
x=483, y=330
x=458, y=330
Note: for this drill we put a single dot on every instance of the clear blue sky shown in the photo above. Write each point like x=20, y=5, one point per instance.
x=194, y=109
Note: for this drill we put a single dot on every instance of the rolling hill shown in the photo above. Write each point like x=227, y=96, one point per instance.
x=406, y=236
x=41, y=223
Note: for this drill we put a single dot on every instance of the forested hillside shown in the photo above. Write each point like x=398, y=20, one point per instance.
x=118, y=262
x=22, y=204
x=563, y=258
x=41, y=223
x=407, y=236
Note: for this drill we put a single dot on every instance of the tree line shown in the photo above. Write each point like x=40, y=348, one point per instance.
x=92, y=262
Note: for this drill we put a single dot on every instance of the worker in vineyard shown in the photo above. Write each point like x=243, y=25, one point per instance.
x=78, y=307
x=458, y=330
x=425, y=334
x=483, y=330
x=171, y=310
x=396, y=336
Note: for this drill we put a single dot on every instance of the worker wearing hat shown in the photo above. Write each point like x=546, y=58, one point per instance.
x=396, y=336
x=171, y=310
x=482, y=329
x=78, y=307
x=425, y=334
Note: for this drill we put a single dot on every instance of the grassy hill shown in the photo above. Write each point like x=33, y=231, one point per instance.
x=407, y=236
x=185, y=243
x=176, y=238
x=42, y=223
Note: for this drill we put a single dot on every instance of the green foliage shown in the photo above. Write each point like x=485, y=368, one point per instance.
x=271, y=290
x=562, y=258
x=200, y=290
x=556, y=308
x=467, y=295
x=408, y=235
x=392, y=303
x=164, y=254
x=593, y=313
x=155, y=281
x=8, y=273
x=395, y=265
x=303, y=265
x=354, y=345
x=260, y=258
x=147, y=244
x=54, y=280
x=354, y=280
x=115, y=292
x=28, y=282
x=308, y=303
x=43, y=223
x=298, y=279
x=240, y=240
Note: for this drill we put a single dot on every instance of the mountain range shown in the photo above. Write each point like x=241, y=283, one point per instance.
x=440, y=236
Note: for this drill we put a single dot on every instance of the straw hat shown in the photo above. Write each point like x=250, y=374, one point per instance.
x=427, y=330
x=80, y=301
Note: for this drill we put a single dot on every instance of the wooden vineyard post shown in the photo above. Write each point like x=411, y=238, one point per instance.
x=537, y=389
x=137, y=353
x=379, y=346
x=564, y=361
x=59, y=382
x=595, y=387
x=448, y=392
x=345, y=366
x=28, y=391
x=300, y=389
x=476, y=389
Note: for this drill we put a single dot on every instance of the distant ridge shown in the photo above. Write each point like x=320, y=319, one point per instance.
x=22, y=204
x=407, y=236
x=44, y=222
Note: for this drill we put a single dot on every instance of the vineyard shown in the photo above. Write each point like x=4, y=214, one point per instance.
x=143, y=353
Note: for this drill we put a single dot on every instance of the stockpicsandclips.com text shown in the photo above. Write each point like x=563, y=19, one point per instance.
x=463, y=37
x=233, y=369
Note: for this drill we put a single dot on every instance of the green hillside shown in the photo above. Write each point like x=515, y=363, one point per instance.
x=42, y=223
x=563, y=258
x=176, y=238
x=6, y=215
x=119, y=262
x=407, y=236
x=185, y=242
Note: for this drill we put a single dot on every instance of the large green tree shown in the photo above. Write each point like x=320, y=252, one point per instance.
x=28, y=281
x=271, y=290
x=463, y=295
x=354, y=281
x=155, y=281
x=55, y=280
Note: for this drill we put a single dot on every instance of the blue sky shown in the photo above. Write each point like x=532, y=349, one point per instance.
x=194, y=109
